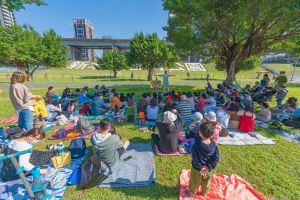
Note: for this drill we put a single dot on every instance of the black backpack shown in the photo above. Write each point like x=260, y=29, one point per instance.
x=77, y=148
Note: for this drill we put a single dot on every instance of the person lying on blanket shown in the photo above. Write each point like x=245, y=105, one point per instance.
x=205, y=157
x=106, y=145
x=29, y=160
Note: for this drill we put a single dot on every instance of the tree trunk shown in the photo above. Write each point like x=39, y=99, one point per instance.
x=115, y=74
x=230, y=69
x=31, y=73
x=150, y=74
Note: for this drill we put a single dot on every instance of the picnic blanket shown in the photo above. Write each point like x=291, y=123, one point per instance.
x=10, y=120
x=182, y=138
x=137, y=171
x=59, y=178
x=68, y=128
x=221, y=187
x=145, y=123
x=99, y=117
x=15, y=190
x=261, y=124
x=291, y=136
x=239, y=138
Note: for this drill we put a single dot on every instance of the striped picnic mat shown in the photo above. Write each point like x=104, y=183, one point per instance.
x=9, y=120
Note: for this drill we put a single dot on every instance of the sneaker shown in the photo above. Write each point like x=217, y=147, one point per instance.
x=50, y=146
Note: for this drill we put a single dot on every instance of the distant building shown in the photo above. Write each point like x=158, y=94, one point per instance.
x=83, y=28
x=7, y=18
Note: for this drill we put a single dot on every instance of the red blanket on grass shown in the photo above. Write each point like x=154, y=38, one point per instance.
x=221, y=187
x=10, y=120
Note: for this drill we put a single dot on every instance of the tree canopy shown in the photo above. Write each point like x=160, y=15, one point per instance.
x=23, y=47
x=231, y=32
x=19, y=4
x=149, y=52
x=113, y=60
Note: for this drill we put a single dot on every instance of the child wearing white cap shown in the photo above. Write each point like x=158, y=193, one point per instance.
x=211, y=118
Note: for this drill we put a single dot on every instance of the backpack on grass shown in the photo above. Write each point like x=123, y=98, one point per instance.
x=77, y=148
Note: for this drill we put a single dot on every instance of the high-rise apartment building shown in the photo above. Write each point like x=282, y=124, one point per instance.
x=83, y=28
x=7, y=18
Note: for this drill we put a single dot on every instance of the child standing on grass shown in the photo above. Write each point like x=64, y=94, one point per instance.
x=205, y=157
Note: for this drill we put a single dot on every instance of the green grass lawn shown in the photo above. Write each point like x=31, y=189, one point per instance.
x=85, y=75
x=273, y=170
x=288, y=68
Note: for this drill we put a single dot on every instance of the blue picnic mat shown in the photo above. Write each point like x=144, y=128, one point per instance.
x=99, y=117
x=137, y=171
x=59, y=178
x=291, y=136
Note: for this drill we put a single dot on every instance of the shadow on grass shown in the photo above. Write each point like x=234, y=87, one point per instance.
x=111, y=78
x=203, y=79
x=156, y=191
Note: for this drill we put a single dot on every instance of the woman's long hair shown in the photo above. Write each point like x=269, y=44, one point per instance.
x=18, y=77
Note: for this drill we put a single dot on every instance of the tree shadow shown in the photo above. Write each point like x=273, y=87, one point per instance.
x=111, y=78
x=156, y=191
x=140, y=140
x=202, y=79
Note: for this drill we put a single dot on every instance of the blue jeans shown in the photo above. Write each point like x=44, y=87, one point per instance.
x=25, y=119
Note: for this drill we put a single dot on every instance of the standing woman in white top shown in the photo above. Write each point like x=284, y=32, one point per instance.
x=165, y=76
x=22, y=100
x=28, y=160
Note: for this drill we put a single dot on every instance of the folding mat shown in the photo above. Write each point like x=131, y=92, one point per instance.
x=221, y=188
x=139, y=170
x=291, y=136
x=239, y=138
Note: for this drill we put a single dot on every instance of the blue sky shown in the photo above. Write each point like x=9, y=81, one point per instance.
x=115, y=18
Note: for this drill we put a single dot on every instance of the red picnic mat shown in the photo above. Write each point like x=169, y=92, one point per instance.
x=221, y=187
x=9, y=120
